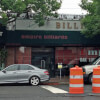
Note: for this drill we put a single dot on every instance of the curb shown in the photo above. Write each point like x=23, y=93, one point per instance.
x=55, y=83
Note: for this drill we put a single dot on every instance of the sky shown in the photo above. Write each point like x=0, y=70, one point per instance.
x=71, y=7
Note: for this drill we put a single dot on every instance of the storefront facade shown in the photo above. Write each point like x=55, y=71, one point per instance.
x=45, y=47
x=2, y=36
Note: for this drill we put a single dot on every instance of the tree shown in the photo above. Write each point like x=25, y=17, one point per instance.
x=91, y=22
x=42, y=9
x=3, y=56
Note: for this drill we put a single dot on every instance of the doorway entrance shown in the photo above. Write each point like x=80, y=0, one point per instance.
x=44, y=59
x=43, y=64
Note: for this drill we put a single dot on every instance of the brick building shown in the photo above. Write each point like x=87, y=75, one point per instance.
x=58, y=41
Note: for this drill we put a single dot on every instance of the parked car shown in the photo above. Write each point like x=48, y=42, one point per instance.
x=23, y=73
x=66, y=68
x=88, y=69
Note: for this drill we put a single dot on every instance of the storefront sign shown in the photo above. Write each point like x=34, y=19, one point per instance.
x=89, y=54
x=68, y=25
x=50, y=38
x=63, y=25
x=44, y=37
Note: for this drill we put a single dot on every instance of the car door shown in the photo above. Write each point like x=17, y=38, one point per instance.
x=24, y=73
x=9, y=74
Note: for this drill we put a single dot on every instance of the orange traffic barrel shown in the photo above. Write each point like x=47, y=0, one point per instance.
x=76, y=85
x=96, y=80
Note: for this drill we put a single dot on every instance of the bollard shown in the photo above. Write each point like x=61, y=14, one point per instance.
x=76, y=81
x=96, y=80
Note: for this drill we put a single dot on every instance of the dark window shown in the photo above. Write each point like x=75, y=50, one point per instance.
x=12, y=68
x=25, y=67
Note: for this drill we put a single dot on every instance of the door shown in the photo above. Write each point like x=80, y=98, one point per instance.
x=42, y=58
x=43, y=64
x=24, y=73
x=9, y=74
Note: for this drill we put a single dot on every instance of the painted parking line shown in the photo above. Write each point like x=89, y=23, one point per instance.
x=53, y=89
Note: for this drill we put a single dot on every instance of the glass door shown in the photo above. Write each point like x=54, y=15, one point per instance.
x=44, y=59
x=43, y=64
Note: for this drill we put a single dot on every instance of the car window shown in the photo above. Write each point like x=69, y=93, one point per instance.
x=26, y=67
x=12, y=68
x=98, y=63
x=94, y=61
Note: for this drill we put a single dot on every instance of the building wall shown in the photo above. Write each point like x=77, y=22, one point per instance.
x=18, y=55
x=64, y=55
x=23, y=56
x=10, y=56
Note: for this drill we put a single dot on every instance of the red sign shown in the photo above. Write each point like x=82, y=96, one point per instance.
x=63, y=37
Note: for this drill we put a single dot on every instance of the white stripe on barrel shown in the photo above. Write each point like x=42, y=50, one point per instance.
x=76, y=85
x=76, y=76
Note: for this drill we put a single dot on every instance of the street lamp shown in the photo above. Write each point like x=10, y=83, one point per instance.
x=1, y=33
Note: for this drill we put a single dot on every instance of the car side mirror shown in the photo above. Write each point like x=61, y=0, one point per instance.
x=4, y=71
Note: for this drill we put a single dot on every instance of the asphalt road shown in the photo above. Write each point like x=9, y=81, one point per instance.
x=27, y=92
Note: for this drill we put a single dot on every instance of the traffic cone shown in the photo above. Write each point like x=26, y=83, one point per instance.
x=96, y=80
x=76, y=81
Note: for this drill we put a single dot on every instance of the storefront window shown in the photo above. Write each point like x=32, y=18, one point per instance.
x=76, y=55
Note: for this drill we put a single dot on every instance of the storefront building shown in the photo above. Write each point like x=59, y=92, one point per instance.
x=56, y=42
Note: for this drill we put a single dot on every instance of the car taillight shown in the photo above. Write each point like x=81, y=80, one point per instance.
x=46, y=72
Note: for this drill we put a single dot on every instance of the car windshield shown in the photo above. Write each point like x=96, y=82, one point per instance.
x=94, y=61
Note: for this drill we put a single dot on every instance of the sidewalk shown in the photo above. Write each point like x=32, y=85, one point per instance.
x=58, y=81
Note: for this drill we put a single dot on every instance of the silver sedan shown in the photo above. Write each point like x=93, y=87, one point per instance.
x=23, y=73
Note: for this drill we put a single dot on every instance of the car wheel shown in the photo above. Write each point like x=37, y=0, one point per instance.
x=34, y=80
x=90, y=78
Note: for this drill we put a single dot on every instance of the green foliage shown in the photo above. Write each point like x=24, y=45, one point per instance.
x=91, y=22
x=4, y=19
x=3, y=56
x=17, y=6
x=42, y=8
